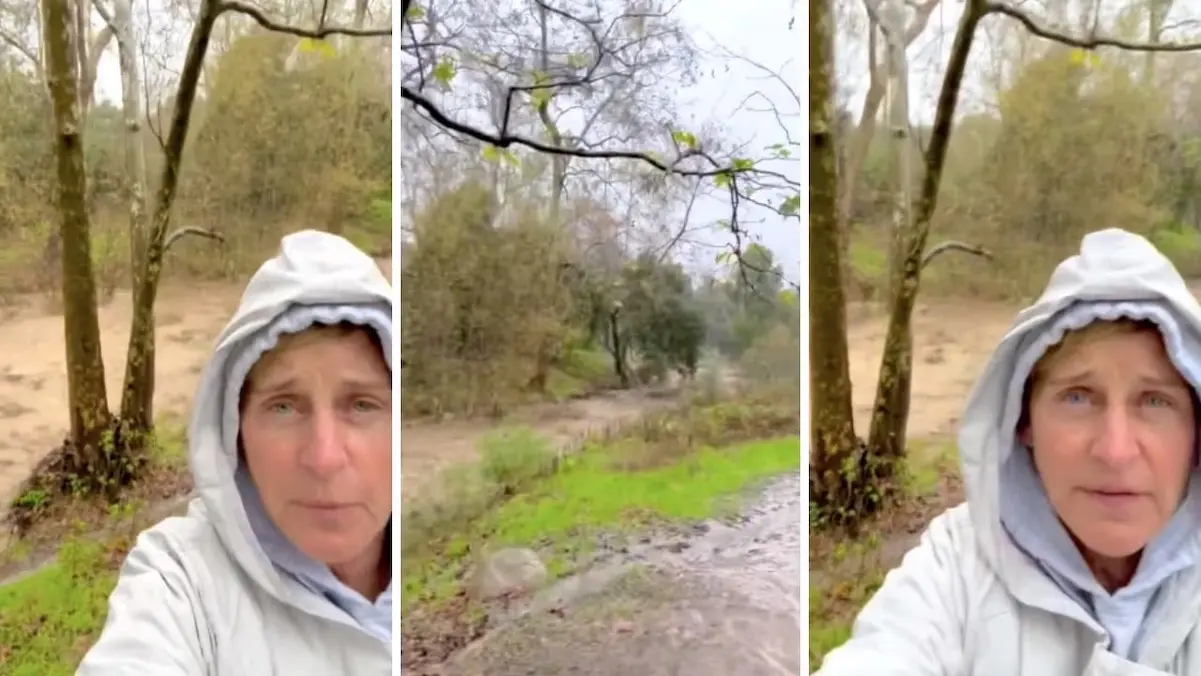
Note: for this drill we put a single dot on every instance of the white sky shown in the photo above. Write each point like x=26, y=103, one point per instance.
x=763, y=36
x=108, y=77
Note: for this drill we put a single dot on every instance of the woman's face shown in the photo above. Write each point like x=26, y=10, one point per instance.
x=316, y=428
x=1112, y=430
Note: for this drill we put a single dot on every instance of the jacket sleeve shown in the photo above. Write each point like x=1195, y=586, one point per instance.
x=913, y=625
x=154, y=623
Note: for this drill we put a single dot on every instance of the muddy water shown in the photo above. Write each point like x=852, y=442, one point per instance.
x=723, y=598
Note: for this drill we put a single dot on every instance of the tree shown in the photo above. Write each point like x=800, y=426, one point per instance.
x=435, y=61
x=834, y=471
x=105, y=451
x=88, y=403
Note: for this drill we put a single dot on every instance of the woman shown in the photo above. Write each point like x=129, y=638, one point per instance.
x=282, y=564
x=1077, y=550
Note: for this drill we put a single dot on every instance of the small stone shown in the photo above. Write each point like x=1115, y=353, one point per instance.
x=506, y=573
x=623, y=626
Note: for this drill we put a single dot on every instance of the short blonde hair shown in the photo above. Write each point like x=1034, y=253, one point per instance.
x=314, y=334
x=1071, y=342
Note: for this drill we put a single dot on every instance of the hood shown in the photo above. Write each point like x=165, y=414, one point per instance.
x=1116, y=274
x=316, y=278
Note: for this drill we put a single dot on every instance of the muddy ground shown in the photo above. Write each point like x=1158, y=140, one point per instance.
x=721, y=599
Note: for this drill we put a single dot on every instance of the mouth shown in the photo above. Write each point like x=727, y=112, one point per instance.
x=323, y=506
x=1112, y=493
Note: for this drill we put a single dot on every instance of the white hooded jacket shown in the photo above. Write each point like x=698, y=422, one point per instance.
x=994, y=588
x=205, y=594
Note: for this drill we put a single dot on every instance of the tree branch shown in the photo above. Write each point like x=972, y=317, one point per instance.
x=1090, y=43
x=939, y=249
x=195, y=232
x=319, y=33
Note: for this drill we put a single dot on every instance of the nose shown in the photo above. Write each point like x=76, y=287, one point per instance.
x=1117, y=443
x=325, y=452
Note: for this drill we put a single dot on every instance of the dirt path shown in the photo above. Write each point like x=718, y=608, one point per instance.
x=952, y=344
x=427, y=448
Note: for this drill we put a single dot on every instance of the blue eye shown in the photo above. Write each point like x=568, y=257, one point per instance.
x=1076, y=397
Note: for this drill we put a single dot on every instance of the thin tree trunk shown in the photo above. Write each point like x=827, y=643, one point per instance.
x=137, y=399
x=901, y=145
x=833, y=440
x=890, y=414
x=87, y=400
x=135, y=157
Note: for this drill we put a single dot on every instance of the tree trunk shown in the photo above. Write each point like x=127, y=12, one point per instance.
x=834, y=446
x=890, y=414
x=88, y=454
x=137, y=400
x=135, y=157
x=900, y=147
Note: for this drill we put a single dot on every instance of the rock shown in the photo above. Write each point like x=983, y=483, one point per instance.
x=507, y=572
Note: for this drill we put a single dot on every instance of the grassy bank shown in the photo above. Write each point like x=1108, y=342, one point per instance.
x=50, y=617
x=844, y=571
x=677, y=467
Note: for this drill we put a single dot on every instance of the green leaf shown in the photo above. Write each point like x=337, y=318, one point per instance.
x=491, y=154
x=791, y=205
x=577, y=60
x=445, y=71
x=320, y=47
x=684, y=138
x=510, y=157
x=416, y=12
x=722, y=180
x=1082, y=57
x=742, y=164
x=723, y=224
x=722, y=257
x=541, y=97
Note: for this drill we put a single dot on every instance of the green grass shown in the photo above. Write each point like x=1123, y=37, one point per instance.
x=579, y=371
x=49, y=619
x=845, y=575
x=593, y=493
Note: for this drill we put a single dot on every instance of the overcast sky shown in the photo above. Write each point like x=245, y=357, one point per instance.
x=761, y=35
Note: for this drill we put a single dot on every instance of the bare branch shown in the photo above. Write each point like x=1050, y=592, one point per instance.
x=192, y=231
x=104, y=13
x=1089, y=43
x=939, y=249
x=11, y=41
x=319, y=33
